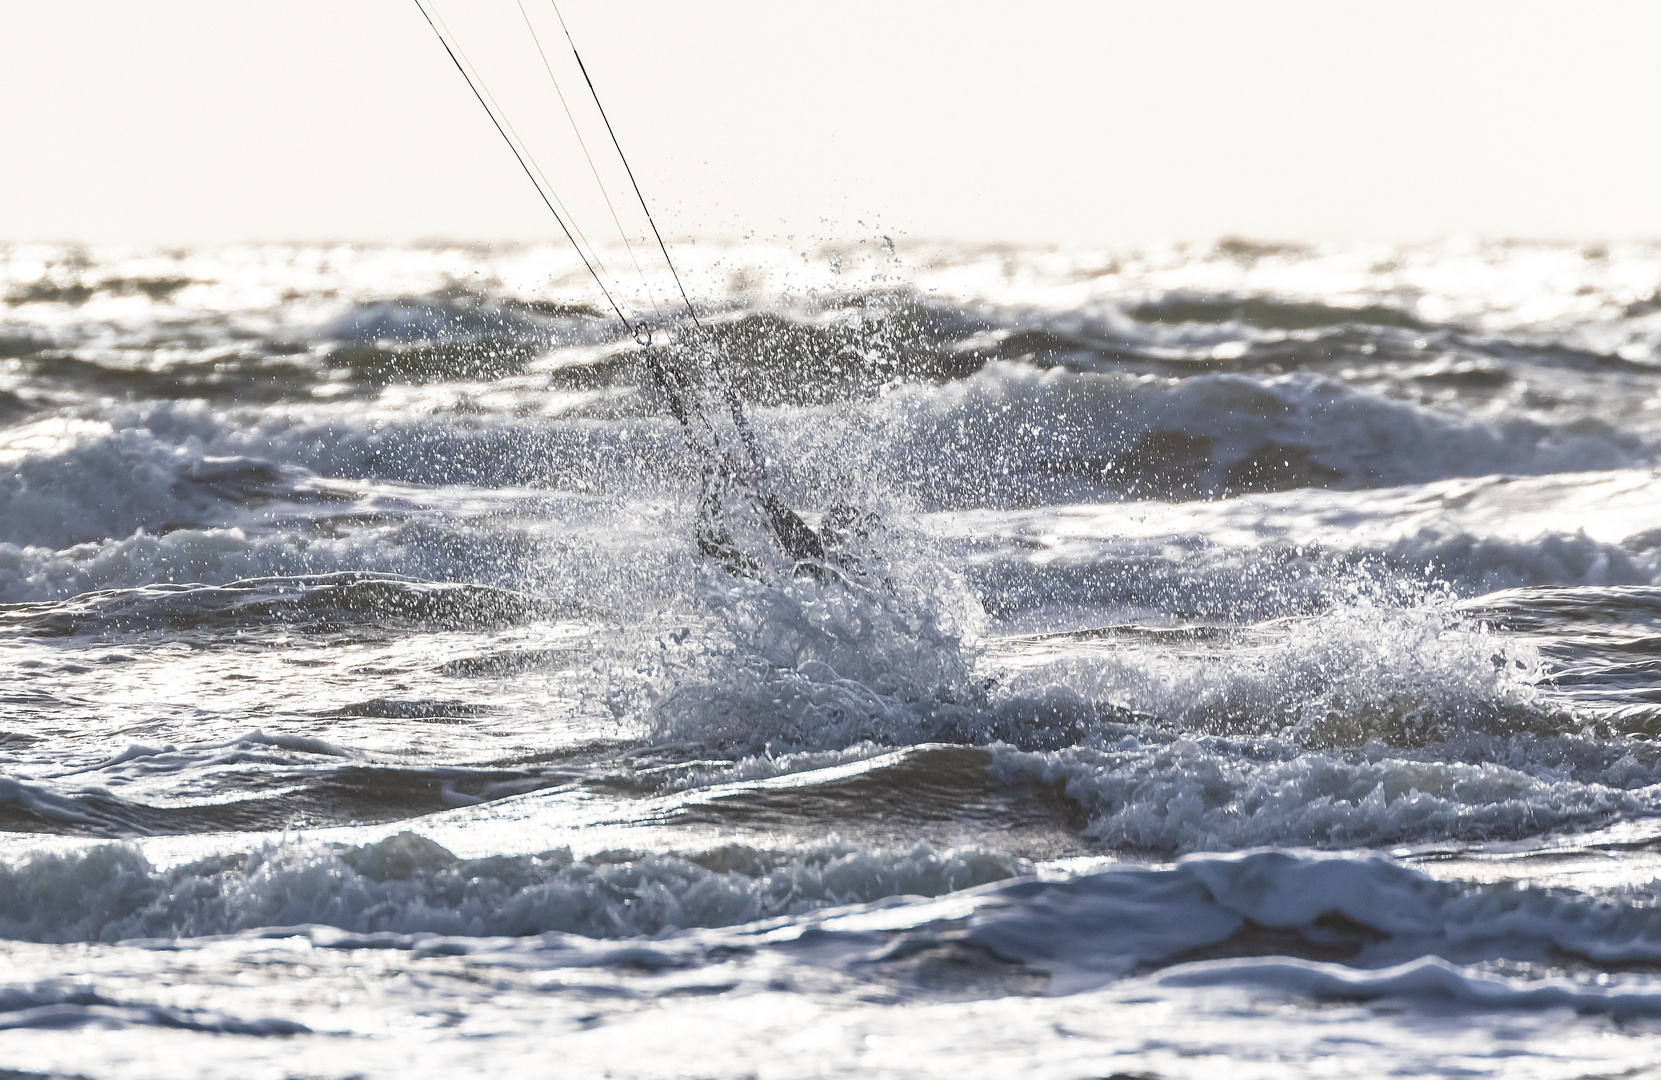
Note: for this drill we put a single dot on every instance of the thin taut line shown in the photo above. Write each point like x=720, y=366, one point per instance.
x=592, y=168
x=507, y=121
x=528, y=174
x=547, y=184
x=745, y=433
x=622, y=157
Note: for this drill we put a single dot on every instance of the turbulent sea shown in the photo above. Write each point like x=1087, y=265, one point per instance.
x=1246, y=660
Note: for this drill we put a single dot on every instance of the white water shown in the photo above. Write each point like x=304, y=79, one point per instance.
x=1251, y=660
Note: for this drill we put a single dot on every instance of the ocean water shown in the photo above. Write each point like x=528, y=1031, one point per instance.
x=1236, y=658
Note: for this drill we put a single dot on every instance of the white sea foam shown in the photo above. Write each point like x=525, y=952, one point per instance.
x=1200, y=794
x=795, y=664
x=1196, y=546
x=1015, y=434
x=1400, y=933
x=408, y=885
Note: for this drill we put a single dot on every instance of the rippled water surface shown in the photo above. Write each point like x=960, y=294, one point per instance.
x=1236, y=656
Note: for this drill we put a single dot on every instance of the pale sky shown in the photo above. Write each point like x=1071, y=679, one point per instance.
x=207, y=121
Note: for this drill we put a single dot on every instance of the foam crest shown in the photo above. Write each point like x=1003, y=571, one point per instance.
x=1202, y=794
x=1016, y=434
x=1364, y=670
x=790, y=663
x=409, y=885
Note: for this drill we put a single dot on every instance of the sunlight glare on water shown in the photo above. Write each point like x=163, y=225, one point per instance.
x=1228, y=651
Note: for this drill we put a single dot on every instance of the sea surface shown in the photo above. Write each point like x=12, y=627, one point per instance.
x=1233, y=659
